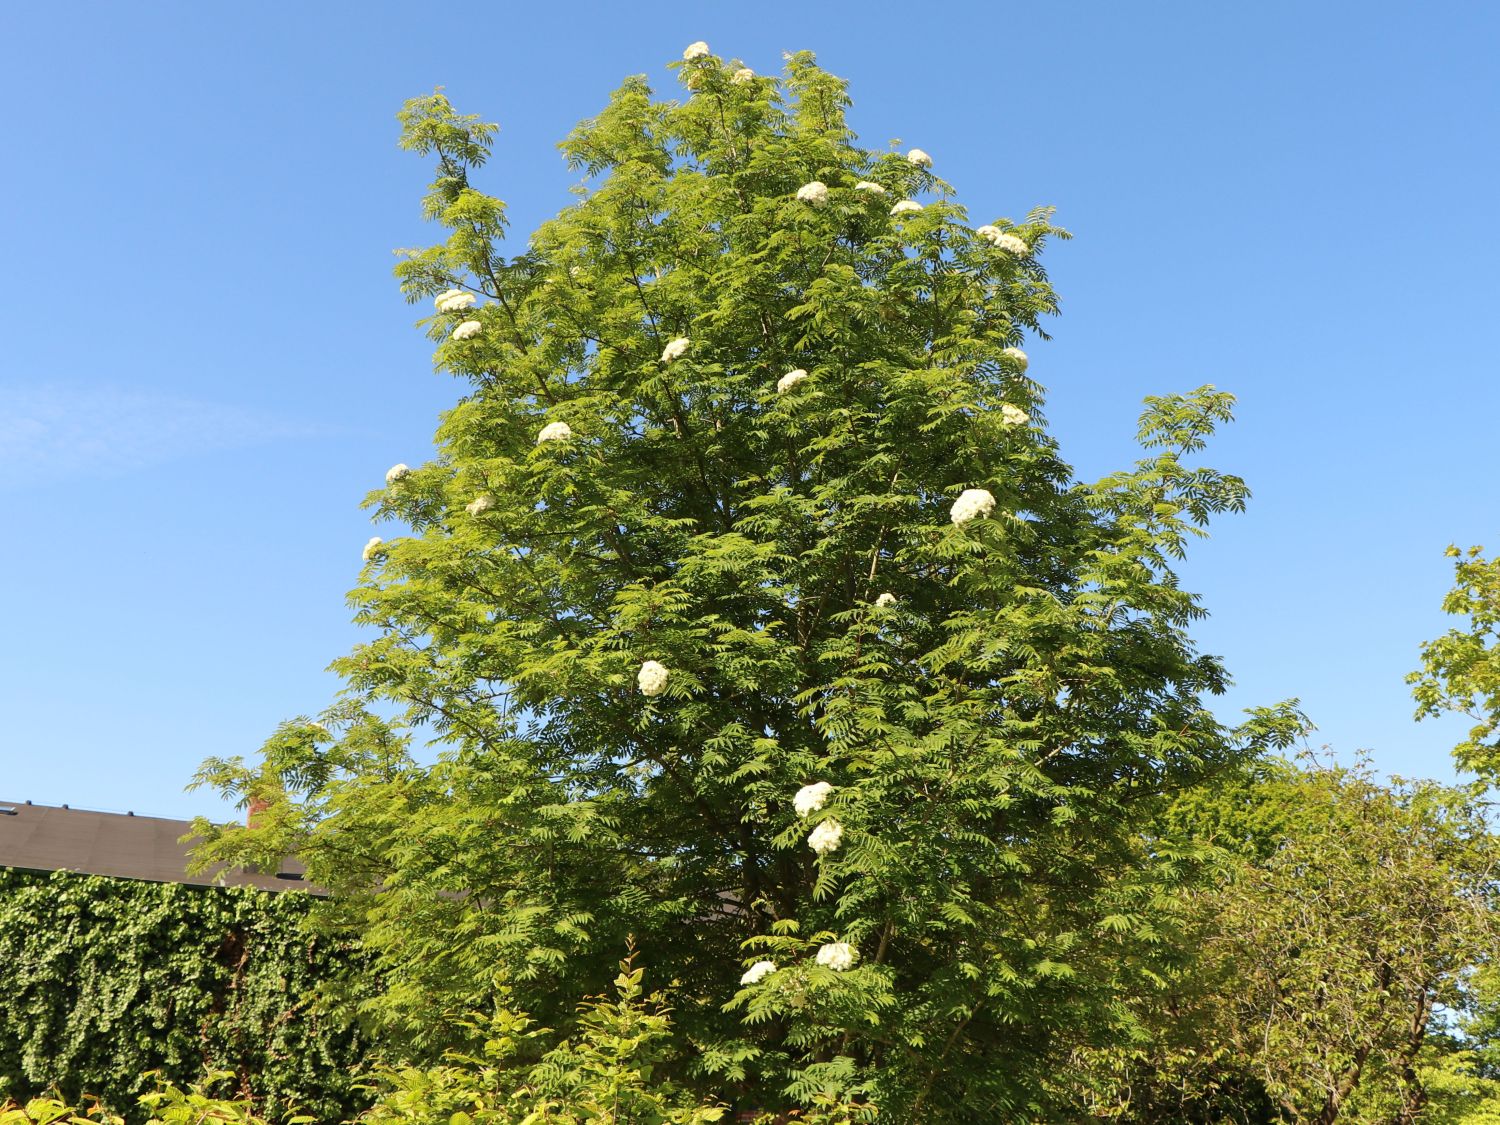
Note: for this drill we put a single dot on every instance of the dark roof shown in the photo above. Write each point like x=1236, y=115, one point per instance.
x=47, y=838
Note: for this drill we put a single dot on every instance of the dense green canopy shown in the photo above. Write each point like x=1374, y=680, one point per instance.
x=750, y=489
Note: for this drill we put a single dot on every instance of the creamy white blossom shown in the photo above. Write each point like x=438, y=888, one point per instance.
x=810, y=798
x=826, y=837
x=885, y=599
x=870, y=186
x=652, y=678
x=468, y=330
x=790, y=380
x=739, y=77
x=319, y=727
x=696, y=50
x=675, y=349
x=397, y=472
x=906, y=205
x=919, y=158
x=452, y=300
x=1013, y=415
x=814, y=192
x=838, y=956
x=372, y=548
x=482, y=503
x=1017, y=357
x=1006, y=241
x=554, y=431
x=758, y=972
x=972, y=502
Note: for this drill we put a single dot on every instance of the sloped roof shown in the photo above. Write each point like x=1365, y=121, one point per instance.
x=52, y=838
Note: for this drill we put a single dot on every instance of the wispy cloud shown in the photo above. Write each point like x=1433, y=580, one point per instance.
x=51, y=430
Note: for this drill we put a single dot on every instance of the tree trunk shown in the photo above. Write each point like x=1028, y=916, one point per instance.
x=1413, y=1093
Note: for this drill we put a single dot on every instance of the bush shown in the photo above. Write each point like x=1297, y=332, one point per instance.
x=110, y=980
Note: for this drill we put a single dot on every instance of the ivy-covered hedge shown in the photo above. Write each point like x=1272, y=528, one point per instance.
x=104, y=980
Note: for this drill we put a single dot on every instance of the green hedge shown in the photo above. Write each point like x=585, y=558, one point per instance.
x=104, y=980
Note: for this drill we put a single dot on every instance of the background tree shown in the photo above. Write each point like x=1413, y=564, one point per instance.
x=750, y=610
x=1461, y=669
x=1328, y=961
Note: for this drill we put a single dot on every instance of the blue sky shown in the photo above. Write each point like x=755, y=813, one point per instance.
x=206, y=362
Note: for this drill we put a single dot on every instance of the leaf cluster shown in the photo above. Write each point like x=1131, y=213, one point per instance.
x=107, y=981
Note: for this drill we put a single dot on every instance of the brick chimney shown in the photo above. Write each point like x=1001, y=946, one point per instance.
x=257, y=806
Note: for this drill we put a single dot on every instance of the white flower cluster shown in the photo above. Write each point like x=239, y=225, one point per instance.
x=397, y=472
x=675, y=350
x=652, y=678
x=452, y=300
x=870, y=186
x=480, y=504
x=814, y=193
x=468, y=330
x=972, y=503
x=739, y=78
x=1017, y=357
x=554, y=431
x=1013, y=415
x=905, y=206
x=372, y=548
x=838, y=956
x=919, y=158
x=886, y=599
x=810, y=798
x=790, y=380
x=1003, y=239
x=826, y=837
x=758, y=972
x=696, y=50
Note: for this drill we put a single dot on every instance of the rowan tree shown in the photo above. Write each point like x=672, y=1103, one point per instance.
x=748, y=607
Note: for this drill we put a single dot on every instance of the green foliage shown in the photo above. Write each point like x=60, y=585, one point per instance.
x=997, y=732
x=169, y=1104
x=605, y=1074
x=1481, y=1024
x=108, y=980
x=51, y=1110
x=1461, y=669
x=163, y=1103
x=1458, y=1093
x=1344, y=916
